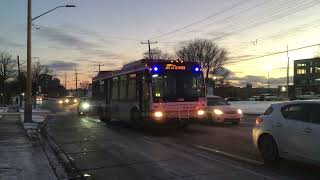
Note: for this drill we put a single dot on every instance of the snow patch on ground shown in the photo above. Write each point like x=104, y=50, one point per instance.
x=3, y=109
x=36, y=118
x=36, y=110
x=252, y=107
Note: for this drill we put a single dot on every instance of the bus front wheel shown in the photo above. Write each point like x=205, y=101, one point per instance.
x=104, y=118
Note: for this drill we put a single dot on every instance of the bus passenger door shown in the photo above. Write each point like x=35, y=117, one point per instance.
x=143, y=94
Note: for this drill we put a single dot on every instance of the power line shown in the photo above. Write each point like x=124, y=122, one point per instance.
x=200, y=20
x=267, y=18
x=270, y=54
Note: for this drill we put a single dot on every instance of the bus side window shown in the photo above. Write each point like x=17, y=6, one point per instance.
x=132, y=87
x=123, y=87
x=115, y=88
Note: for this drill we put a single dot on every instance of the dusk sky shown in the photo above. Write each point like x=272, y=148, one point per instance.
x=110, y=31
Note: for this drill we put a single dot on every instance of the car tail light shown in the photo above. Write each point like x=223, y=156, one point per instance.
x=258, y=120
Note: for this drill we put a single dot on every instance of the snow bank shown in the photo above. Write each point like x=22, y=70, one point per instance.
x=252, y=107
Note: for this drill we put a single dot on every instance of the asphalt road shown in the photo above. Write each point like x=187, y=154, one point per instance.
x=118, y=151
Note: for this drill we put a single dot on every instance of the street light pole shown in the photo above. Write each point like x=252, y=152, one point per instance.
x=28, y=103
x=68, y=5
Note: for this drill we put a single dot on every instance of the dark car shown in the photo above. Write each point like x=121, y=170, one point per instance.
x=84, y=106
x=68, y=100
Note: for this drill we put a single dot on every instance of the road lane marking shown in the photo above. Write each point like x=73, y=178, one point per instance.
x=251, y=161
x=225, y=163
x=236, y=167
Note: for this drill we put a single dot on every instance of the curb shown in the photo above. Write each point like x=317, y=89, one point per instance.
x=64, y=159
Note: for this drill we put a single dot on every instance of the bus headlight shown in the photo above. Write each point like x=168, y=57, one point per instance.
x=67, y=100
x=218, y=112
x=75, y=100
x=239, y=111
x=85, y=105
x=60, y=102
x=201, y=112
x=158, y=114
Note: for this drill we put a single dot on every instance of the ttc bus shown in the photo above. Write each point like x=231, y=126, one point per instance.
x=151, y=91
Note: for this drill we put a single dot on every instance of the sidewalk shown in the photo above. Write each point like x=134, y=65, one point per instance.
x=20, y=157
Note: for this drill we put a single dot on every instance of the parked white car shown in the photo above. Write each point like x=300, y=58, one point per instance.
x=309, y=96
x=290, y=130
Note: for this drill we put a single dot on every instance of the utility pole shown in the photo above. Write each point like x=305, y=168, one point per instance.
x=149, y=45
x=99, y=66
x=28, y=103
x=268, y=81
x=18, y=60
x=288, y=63
x=19, y=79
x=76, y=74
x=65, y=80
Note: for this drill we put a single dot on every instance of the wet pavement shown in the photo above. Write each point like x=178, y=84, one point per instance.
x=118, y=151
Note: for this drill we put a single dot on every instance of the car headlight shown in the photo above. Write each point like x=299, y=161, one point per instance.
x=158, y=114
x=67, y=100
x=201, y=112
x=85, y=105
x=239, y=111
x=218, y=112
x=75, y=100
x=60, y=102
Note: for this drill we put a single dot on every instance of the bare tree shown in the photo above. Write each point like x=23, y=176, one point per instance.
x=38, y=69
x=157, y=53
x=6, y=66
x=222, y=80
x=206, y=53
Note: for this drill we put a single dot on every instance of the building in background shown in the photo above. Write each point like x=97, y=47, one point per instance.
x=307, y=76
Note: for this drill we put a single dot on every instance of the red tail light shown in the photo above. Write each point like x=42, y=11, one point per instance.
x=258, y=120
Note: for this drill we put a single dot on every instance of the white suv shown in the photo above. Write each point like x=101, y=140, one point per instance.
x=290, y=130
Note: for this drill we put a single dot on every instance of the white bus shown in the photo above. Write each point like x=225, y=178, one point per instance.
x=160, y=91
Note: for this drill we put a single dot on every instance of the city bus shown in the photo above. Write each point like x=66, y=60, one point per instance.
x=160, y=91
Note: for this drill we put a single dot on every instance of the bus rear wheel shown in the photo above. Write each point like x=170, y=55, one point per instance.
x=136, y=119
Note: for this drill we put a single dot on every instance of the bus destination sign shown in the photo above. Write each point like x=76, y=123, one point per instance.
x=175, y=67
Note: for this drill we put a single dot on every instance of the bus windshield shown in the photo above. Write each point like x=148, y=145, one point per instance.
x=177, y=86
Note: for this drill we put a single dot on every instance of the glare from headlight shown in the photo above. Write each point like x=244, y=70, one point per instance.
x=75, y=100
x=158, y=114
x=60, y=102
x=218, y=112
x=67, y=100
x=85, y=105
x=201, y=112
x=239, y=111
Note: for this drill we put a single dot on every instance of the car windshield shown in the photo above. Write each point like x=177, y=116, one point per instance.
x=171, y=86
x=217, y=102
